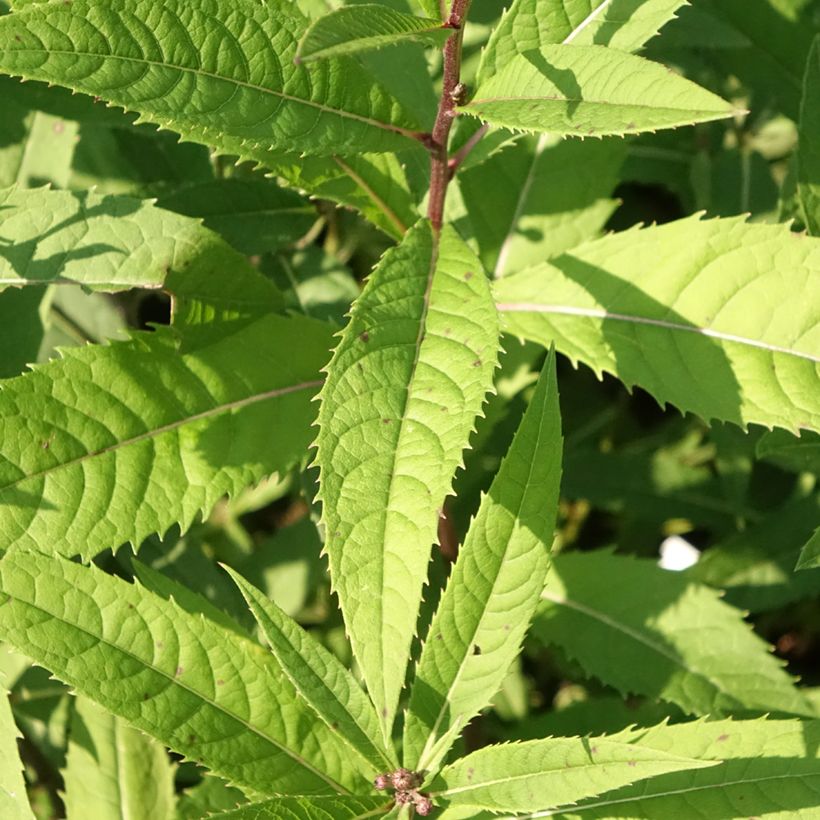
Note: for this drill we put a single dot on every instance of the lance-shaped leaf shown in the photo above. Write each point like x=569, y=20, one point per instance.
x=309, y=808
x=14, y=803
x=649, y=631
x=353, y=29
x=684, y=310
x=218, y=74
x=541, y=774
x=254, y=215
x=528, y=24
x=808, y=153
x=114, y=771
x=769, y=769
x=202, y=690
x=591, y=91
x=319, y=677
x=402, y=393
x=495, y=585
x=110, y=444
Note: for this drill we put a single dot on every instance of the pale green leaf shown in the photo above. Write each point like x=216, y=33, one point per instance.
x=323, y=682
x=540, y=774
x=808, y=152
x=769, y=769
x=649, y=631
x=309, y=808
x=35, y=148
x=365, y=27
x=177, y=429
x=402, y=393
x=203, y=691
x=217, y=74
x=113, y=771
x=253, y=215
x=591, y=91
x=537, y=199
x=684, y=310
x=115, y=243
x=810, y=554
x=210, y=796
x=625, y=25
x=14, y=803
x=495, y=584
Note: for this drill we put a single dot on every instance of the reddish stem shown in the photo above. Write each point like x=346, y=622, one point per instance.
x=439, y=161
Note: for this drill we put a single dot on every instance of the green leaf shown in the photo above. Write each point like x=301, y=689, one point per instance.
x=322, y=681
x=203, y=691
x=220, y=75
x=695, y=329
x=111, y=243
x=769, y=769
x=210, y=796
x=755, y=567
x=35, y=148
x=255, y=216
x=494, y=587
x=24, y=318
x=113, y=771
x=183, y=426
x=14, y=803
x=365, y=27
x=625, y=25
x=537, y=199
x=541, y=774
x=649, y=631
x=796, y=453
x=591, y=91
x=374, y=184
x=808, y=153
x=810, y=554
x=402, y=392
x=309, y=808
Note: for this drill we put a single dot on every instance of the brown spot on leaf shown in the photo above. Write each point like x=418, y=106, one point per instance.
x=476, y=649
x=468, y=276
x=722, y=738
x=220, y=682
x=364, y=336
x=477, y=363
x=179, y=671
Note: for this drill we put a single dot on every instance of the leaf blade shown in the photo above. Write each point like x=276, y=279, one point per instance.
x=366, y=27
x=477, y=631
x=202, y=690
x=402, y=392
x=633, y=303
x=590, y=91
x=661, y=635
x=223, y=79
x=13, y=798
x=325, y=684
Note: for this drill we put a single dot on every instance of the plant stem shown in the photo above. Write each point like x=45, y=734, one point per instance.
x=440, y=172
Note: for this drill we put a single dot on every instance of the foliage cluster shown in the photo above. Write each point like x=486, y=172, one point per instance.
x=288, y=505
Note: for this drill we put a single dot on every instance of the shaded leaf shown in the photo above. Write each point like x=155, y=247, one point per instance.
x=113, y=771
x=649, y=631
x=309, y=808
x=14, y=803
x=808, y=153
